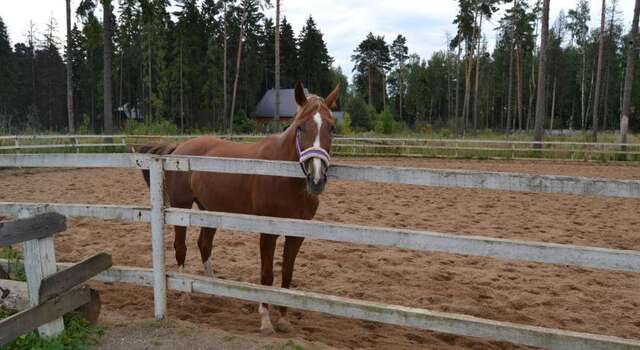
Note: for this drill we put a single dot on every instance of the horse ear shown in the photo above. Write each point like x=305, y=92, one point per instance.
x=333, y=97
x=301, y=98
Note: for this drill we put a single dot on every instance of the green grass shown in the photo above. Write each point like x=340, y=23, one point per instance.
x=16, y=268
x=78, y=334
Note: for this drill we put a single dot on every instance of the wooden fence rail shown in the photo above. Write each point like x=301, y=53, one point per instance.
x=158, y=216
x=51, y=294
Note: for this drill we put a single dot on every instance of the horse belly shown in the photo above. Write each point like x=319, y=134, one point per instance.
x=223, y=192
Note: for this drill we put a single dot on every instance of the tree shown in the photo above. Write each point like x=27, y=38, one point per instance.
x=632, y=55
x=577, y=24
x=108, y=59
x=596, y=96
x=70, y=104
x=6, y=76
x=313, y=55
x=542, y=72
x=372, y=58
x=400, y=54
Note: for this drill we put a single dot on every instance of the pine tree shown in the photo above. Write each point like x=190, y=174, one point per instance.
x=400, y=54
x=314, y=57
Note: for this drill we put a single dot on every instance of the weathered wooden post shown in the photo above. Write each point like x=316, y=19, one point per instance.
x=156, y=189
x=39, y=262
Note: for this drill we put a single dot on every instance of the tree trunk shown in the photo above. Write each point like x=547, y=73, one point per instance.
x=596, y=96
x=70, y=104
x=107, y=79
x=519, y=86
x=384, y=90
x=370, y=82
x=224, y=69
x=532, y=82
x=632, y=55
x=181, y=93
x=475, y=93
x=457, y=106
x=510, y=88
x=277, y=66
x=582, y=87
x=553, y=103
x=542, y=72
x=237, y=78
x=449, y=102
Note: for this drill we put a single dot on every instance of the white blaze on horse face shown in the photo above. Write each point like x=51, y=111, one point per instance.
x=317, y=163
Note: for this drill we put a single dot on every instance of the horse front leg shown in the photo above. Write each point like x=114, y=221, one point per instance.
x=291, y=249
x=205, y=243
x=267, y=251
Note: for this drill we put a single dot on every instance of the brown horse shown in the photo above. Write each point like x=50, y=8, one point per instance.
x=307, y=140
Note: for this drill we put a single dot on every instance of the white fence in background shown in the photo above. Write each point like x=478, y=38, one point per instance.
x=363, y=146
x=158, y=216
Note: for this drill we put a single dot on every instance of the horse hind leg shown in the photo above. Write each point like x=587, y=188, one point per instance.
x=291, y=248
x=267, y=251
x=205, y=243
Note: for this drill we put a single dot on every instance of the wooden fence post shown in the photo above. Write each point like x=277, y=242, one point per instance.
x=39, y=262
x=156, y=186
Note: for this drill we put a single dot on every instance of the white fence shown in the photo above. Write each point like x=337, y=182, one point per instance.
x=158, y=216
x=364, y=146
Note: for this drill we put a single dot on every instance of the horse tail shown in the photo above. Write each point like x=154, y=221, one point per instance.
x=153, y=148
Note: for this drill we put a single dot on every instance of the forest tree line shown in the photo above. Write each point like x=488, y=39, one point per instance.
x=204, y=64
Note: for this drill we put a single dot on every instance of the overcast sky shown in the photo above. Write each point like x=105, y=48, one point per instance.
x=344, y=22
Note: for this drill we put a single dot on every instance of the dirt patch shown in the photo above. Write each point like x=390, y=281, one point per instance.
x=175, y=334
x=537, y=294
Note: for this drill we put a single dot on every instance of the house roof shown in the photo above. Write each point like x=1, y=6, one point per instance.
x=267, y=105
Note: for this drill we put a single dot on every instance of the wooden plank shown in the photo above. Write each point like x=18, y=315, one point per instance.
x=106, y=212
x=377, y=312
x=39, y=262
x=156, y=189
x=611, y=259
x=39, y=226
x=27, y=320
x=409, y=176
x=77, y=274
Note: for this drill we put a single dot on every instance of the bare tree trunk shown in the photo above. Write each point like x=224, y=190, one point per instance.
x=370, y=82
x=384, y=90
x=449, y=102
x=519, y=86
x=596, y=96
x=71, y=123
x=475, y=93
x=277, y=66
x=542, y=72
x=456, y=121
x=181, y=93
x=605, y=101
x=632, y=55
x=510, y=88
x=553, y=103
x=532, y=82
x=108, y=56
x=224, y=69
x=583, y=113
x=150, y=92
x=238, y=60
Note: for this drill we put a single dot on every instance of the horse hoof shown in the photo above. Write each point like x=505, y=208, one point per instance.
x=283, y=326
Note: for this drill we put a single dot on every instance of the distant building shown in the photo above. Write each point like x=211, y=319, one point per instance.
x=266, y=108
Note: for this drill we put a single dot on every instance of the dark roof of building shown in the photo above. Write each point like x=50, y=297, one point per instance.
x=267, y=105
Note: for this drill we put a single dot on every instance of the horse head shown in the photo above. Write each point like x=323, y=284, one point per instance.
x=314, y=126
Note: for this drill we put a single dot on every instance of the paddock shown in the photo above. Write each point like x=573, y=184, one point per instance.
x=555, y=296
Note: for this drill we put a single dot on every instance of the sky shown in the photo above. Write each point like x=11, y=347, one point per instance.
x=344, y=23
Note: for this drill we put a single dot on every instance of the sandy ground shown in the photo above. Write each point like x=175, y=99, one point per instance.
x=536, y=294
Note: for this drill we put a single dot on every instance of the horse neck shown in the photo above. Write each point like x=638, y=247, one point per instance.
x=287, y=144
